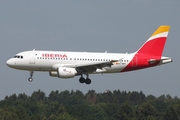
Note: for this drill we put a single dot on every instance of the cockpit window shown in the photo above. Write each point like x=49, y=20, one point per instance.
x=18, y=56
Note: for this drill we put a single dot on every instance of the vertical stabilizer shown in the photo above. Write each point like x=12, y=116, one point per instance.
x=155, y=44
x=150, y=53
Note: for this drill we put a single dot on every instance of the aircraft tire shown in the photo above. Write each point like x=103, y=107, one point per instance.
x=81, y=80
x=30, y=79
x=88, y=81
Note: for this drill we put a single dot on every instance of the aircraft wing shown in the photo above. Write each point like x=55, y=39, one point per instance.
x=91, y=67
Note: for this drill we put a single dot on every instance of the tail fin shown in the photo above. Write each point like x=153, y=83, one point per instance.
x=155, y=44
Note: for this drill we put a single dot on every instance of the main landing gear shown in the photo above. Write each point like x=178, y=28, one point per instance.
x=83, y=80
x=30, y=79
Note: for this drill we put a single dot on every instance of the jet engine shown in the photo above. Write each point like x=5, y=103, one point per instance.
x=63, y=72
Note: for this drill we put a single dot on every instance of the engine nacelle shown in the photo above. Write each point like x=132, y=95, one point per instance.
x=64, y=72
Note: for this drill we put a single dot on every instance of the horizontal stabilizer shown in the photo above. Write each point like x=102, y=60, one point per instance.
x=163, y=60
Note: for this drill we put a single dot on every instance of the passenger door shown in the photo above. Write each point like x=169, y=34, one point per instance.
x=32, y=58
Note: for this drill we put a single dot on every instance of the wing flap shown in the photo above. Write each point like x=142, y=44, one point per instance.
x=89, y=68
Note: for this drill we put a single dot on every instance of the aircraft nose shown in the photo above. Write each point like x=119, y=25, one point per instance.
x=9, y=63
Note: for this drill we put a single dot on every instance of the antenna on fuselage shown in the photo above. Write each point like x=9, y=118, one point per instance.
x=34, y=49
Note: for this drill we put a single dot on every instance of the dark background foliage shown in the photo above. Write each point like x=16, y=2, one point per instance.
x=74, y=105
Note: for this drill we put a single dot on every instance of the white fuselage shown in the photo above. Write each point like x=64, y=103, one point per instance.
x=50, y=60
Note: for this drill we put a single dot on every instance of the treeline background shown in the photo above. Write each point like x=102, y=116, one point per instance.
x=75, y=105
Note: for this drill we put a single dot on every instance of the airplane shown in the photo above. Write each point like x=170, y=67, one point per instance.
x=66, y=64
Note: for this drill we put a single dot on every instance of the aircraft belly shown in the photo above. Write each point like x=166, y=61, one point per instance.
x=35, y=68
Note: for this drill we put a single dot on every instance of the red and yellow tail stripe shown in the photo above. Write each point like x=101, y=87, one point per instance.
x=162, y=31
x=155, y=44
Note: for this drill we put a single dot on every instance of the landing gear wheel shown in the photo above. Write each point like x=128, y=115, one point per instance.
x=30, y=79
x=81, y=80
x=88, y=81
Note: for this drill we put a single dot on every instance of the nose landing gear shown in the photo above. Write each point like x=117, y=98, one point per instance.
x=30, y=79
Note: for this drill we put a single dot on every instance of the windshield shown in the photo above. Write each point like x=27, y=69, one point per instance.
x=18, y=56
